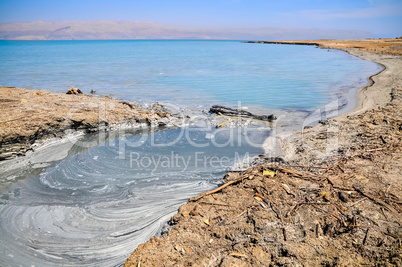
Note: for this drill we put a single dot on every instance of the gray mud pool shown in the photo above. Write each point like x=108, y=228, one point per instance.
x=91, y=200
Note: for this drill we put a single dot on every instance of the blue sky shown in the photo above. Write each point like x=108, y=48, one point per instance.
x=380, y=17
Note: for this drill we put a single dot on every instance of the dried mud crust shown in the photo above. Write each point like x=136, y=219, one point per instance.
x=27, y=116
x=335, y=202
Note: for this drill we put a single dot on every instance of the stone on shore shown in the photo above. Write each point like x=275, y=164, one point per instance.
x=74, y=91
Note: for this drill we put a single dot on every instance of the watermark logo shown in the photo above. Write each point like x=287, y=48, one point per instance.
x=182, y=163
x=198, y=131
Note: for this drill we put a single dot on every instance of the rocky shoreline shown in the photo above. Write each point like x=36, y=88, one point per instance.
x=29, y=117
x=335, y=201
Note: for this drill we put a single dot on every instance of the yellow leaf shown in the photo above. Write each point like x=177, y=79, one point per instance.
x=268, y=173
x=258, y=199
x=206, y=221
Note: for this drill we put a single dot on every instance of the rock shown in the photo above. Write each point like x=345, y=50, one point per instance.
x=127, y=104
x=74, y=91
x=343, y=197
x=157, y=107
x=193, y=213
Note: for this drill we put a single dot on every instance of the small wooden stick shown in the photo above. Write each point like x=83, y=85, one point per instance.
x=223, y=123
x=315, y=203
x=278, y=213
x=237, y=216
x=217, y=189
x=357, y=202
x=377, y=149
x=330, y=167
x=218, y=204
x=361, y=226
x=296, y=207
x=339, y=160
x=307, y=167
x=335, y=216
x=376, y=200
x=365, y=237
x=383, y=213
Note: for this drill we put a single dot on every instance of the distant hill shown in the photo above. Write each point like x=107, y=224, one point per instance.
x=106, y=29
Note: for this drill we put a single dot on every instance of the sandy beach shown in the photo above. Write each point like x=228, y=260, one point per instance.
x=332, y=198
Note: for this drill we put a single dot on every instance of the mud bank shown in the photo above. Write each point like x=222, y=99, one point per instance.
x=29, y=117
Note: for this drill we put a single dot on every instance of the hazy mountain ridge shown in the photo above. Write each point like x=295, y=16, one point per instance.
x=104, y=29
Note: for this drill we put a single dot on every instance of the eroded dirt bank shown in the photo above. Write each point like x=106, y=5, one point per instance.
x=336, y=201
x=28, y=116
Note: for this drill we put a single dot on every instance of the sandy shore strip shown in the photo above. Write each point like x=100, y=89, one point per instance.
x=383, y=46
x=336, y=201
x=31, y=117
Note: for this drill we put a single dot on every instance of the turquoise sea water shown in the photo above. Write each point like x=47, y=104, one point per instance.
x=187, y=73
x=92, y=205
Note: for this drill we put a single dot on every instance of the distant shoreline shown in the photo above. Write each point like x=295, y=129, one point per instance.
x=120, y=30
x=384, y=46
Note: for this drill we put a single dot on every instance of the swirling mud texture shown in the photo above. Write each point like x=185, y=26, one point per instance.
x=95, y=206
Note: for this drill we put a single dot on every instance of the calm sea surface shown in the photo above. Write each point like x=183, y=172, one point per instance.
x=91, y=205
x=187, y=73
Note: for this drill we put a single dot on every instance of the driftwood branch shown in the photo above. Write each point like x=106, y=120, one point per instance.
x=376, y=200
x=240, y=113
x=217, y=189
